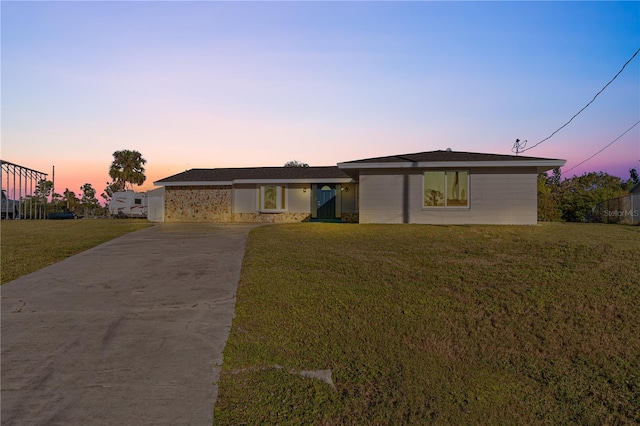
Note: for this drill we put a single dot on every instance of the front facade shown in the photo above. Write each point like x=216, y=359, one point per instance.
x=436, y=187
x=447, y=187
x=264, y=194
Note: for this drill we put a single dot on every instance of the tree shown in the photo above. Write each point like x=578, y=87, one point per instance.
x=295, y=163
x=69, y=197
x=573, y=199
x=89, y=199
x=111, y=188
x=634, y=179
x=127, y=169
x=580, y=194
x=43, y=189
x=35, y=205
x=548, y=208
x=555, y=179
x=54, y=198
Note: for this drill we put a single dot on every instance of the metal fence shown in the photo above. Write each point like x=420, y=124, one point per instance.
x=619, y=210
x=19, y=184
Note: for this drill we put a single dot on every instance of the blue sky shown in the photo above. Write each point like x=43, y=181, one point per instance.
x=233, y=84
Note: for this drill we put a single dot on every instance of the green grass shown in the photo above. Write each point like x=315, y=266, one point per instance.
x=436, y=325
x=29, y=245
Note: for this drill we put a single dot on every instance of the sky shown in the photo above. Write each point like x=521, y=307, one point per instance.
x=244, y=84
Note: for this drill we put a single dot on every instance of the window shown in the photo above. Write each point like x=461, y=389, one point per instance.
x=272, y=198
x=446, y=188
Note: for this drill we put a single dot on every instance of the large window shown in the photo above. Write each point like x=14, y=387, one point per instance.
x=446, y=188
x=272, y=198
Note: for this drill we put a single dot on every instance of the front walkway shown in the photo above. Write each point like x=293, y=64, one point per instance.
x=129, y=332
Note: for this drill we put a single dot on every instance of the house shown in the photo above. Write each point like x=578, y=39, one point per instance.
x=435, y=187
x=636, y=189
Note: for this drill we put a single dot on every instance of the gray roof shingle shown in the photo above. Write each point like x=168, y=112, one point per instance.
x=442, y=156
x=229, y=175
x=255, y=173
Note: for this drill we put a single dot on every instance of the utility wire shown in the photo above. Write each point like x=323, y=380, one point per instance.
x=585, y=107
x=607, y=146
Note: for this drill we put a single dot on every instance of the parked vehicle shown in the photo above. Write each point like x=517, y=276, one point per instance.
x=9, y=209
x=62, y=215
x=128, y=204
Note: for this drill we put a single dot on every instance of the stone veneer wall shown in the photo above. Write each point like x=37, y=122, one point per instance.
x=350, y=217
x=198, y=204
x=271, y=217
x=214, y=204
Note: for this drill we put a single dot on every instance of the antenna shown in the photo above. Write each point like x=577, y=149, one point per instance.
x=518, y=146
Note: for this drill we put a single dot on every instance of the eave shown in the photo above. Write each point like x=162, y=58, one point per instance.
x=255, y=181
x=540, y=165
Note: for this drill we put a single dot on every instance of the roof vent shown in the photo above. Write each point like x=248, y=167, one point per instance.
x=448, y=149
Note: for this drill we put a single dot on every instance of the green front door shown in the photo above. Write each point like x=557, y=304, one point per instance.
x=326, y=201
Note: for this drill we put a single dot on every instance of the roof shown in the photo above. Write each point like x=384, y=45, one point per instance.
x=448, y=158
x=448, y=155
x=635, y=189
x=230, y=176
x=344, y=172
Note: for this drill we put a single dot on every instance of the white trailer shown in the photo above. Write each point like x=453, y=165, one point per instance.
x=128, y=204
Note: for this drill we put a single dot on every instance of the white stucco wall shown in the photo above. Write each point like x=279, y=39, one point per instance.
x=155, y=203
x=348, y=200
x=299, y=198
x=381, y=196
x=245, y=198
x=496, y=196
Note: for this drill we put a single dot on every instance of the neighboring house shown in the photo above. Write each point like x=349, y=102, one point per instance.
x=10, y=209
x=635, y=189
x=436, y=187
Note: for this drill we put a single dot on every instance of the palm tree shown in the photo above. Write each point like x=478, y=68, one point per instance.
x=127, y=168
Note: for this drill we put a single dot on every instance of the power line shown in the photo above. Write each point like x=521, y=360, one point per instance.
x=583, y=108
x=607, y=146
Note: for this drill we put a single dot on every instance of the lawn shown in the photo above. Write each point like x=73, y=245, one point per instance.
x=28, y=245
x=436, y=325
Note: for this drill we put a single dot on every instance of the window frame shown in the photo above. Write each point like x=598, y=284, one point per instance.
x=446, y=185
x=282, y=198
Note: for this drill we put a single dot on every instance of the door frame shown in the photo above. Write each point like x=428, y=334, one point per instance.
x=314, y=200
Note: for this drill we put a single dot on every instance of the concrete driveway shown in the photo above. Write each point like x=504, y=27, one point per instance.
x=128, y=333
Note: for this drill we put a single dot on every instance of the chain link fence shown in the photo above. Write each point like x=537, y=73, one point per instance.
x=625, y=210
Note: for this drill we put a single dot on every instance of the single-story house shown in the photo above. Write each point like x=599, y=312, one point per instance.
x=435, y=187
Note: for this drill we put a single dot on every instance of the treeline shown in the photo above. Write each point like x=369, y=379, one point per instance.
x=573, y=199
x=127, y=169
x=82, y=203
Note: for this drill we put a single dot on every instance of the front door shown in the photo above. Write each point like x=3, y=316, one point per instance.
x=326, y=201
